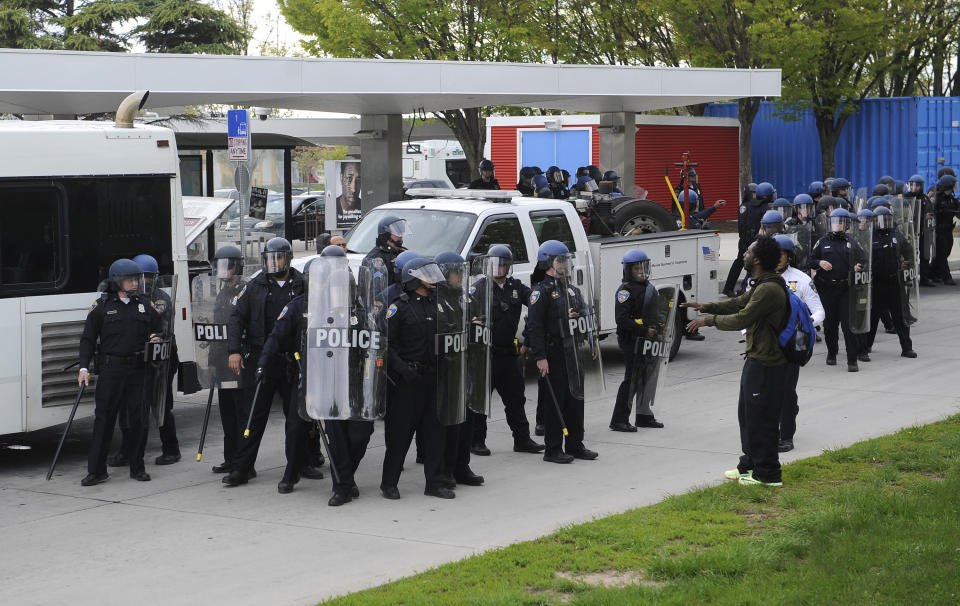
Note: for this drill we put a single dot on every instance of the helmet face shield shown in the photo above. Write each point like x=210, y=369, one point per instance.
x=428, y=274
x=398, y=228
x=227, y=268
x=148, y=282
x=839, y=224
x=562, y=265
x=638, y=271
x=803, y=210
x=129, y=284
x=275, y=262
x=772, y=228
x=884, y=221
x=498, y=267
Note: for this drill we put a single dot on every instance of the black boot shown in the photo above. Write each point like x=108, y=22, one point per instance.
x=525, y=444
x=648, y=421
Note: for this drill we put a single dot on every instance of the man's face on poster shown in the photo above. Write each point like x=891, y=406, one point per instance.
x=349, y=186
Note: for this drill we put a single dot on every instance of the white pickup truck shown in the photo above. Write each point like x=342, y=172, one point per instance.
x=469, y=221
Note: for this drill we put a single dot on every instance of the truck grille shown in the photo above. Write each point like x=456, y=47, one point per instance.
x=59, y=347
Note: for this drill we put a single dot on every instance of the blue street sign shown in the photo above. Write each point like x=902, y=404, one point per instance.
x=237, y=123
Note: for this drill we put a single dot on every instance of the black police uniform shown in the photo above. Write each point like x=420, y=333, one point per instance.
x=527, y=189
x=636, y=311
x=833, y=287
x=479, y=183
x=257, y=308
x=389, y=258
x=228, y=400
x=123, y=329
x=947, y=207
x=748, y=224
x=890, y=250
x=459, y=437
x=546, y=321
x=412, y=361
x=506, y=376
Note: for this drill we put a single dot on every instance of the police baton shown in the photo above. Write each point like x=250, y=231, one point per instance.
x=66, y=430
x=556, y=404
x=206, y=420
x=253, y=406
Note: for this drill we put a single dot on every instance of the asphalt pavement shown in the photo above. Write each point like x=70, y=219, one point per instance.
x=183, y=538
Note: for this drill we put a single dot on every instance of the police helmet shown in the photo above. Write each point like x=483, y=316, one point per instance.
x=333, y=250
x=880, y=189
x=276, y=256
x=540, y=181
x=945, y=170
x=147, y=264
x=402, y=259
x=487, y=165
x=611, y=175
x=419, y=272
x=802, y=199
x=691, y=172
x=694, y=198
x=784, y=207
x=594, y=173
x=752, y=188
x=865, y=213
x=766, y=192
x=916, y=179
x=840, y=220
x=448, y=258
x=815, y=188
x=228, y=261
x=899, y=187
x=549, y=252
x=947, y=183
x=121, y=270
x=528, y=172
x=886, y=180
x=878, y=202
x=883, y=218
x=586, y=183
x=544, y=192
x=786, y=242
x=499, y=261
x=636, y=259
x=771, y=222
x=839, y=184
x=391, y=225
x=555, y=176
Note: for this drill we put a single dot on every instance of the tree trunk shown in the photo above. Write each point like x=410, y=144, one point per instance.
x=829, y=134
x=746, y=112
x=937, y=69
x=470, y=127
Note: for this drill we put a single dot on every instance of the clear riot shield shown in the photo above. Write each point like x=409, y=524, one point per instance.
x=652, y=352
x=802, y=235
x=581, y=342
x=821, y=226
x=451, y=344
x=928, y=226
x=909, y=274
x=860, y=200
x=158, y=356
x=861, y=251
x=211, y=301
x=345, y=353
x=479, y=333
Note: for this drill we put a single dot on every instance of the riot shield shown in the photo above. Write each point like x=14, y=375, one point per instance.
x=581, y=342
x=211, y=302
x=861, y=249
x=343, y=361
x=821, y=225
x=652, y=353
x=158, y=356
x=860, y=200
x=479, y=334
x=451, y=344
x=802, y=235
x=909, y=274
x=928, y=225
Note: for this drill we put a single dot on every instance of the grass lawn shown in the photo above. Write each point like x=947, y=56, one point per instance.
x=875, y=523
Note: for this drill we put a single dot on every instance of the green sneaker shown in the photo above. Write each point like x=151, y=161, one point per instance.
x=749, y=480
x=734, y=474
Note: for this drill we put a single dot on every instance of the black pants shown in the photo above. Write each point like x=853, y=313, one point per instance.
x=925, y=269
x=571, y=407
x=295, y=428
x=836, y=306
x=886, y=298
x=507, y=379
x=944, y=245
x=456, y=457
x=413, y=408
x=168, y=431
x=791, y=406
x=632, y=364
x=228, y=401
x=119, y=387
x=737, y=266
x=758, y=411
x=348, y=445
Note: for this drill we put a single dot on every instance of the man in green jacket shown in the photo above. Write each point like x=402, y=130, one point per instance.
x=762, y=313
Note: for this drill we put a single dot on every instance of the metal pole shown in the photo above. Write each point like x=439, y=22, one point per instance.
x=66, y=430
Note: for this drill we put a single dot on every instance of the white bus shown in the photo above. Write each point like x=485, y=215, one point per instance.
x=75, y=196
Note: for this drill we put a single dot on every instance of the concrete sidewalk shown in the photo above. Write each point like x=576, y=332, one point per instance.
x=185, y=539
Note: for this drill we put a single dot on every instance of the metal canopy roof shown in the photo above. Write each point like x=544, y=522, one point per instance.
x=63, y=82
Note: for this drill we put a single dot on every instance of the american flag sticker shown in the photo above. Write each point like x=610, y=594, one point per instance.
x=708, y=254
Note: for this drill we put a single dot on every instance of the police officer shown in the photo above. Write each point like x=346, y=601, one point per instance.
x=840, y=188
x=487, y=180
x=815, y=190
x=613, y=178
x=257, y=308
x=748, y=225
x=558, y=182
x=525, y=182
x=228, y=262
x=946, y=208
x=390, y=231
x=636, y=311
x=771, y=224
x=541, y=186
x=546, y=318
x=123, y=322
x=412, y=360
x=927, y=217
x=508, y=297
x=891, y=254
x=831, y=259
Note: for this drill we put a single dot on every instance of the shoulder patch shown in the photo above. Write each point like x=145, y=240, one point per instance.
x=623, y=295
x=237, y=298
x=283, y=312
x=473, y=290
x=534, y=296
x=159, y=305
x=94, y=306
x=391, y=310
x=743, y=208
x=793, y=285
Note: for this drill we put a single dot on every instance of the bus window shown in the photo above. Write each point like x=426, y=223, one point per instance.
x=32, y=251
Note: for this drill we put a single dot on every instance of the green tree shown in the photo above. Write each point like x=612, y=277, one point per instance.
x=70, y=24
x=478, y=30
x=189, y=26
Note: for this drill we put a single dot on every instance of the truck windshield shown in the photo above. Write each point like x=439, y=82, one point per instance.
x=430, y=231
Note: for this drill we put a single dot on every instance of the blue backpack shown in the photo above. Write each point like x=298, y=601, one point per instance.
x=798, y=337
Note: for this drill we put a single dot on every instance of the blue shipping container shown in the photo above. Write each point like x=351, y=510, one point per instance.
x=897, y=136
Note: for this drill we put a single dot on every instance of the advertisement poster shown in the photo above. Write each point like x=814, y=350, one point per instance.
x=342, y=193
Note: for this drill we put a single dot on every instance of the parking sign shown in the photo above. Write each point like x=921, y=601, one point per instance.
x=238, y=135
